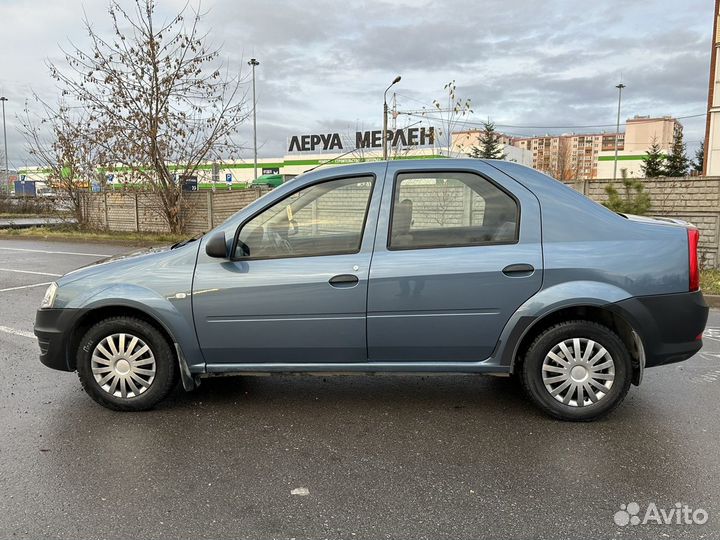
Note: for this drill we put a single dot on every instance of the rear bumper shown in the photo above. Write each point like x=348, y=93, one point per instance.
x=52, y=328
x=670, y=325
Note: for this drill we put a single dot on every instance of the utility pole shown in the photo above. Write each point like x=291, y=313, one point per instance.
x=711, y=164
x=253, y=62
x=617, y=130
x=394, y=111
x=3, y=99
x=385, y=115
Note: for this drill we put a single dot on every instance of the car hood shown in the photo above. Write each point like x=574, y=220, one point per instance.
x=130, y=255
x=116, y=263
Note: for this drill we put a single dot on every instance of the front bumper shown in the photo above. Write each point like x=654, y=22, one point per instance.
x=670, y=325
x=53, y=329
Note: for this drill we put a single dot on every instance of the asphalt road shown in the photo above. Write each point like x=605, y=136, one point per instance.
x=381, y=457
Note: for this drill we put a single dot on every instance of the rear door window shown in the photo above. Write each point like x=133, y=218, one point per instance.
x=449, y=209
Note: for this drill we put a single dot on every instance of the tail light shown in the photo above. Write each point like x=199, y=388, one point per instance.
x=693, y=239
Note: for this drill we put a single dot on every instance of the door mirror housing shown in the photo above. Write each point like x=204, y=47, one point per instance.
x=217, y=246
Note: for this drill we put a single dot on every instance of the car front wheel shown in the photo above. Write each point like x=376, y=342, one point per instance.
x=126, y=364
x=577, y=370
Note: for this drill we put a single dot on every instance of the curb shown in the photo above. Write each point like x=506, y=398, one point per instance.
x=24, y=224
x=13, y=225
x=712, y=300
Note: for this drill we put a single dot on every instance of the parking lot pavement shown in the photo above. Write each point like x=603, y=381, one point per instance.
x=381, y=457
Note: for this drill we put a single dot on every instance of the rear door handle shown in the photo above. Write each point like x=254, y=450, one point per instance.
x=344, y=280
x=518, y=270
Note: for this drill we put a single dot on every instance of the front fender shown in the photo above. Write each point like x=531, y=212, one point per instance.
x=547, y=301
x=172, y=312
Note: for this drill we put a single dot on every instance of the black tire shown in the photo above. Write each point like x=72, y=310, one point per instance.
x=532, y=371
x=166, y=369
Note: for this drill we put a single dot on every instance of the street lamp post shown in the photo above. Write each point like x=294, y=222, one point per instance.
x=3, y=99
x=385, y=114
x=617, y=129
x=253, y=62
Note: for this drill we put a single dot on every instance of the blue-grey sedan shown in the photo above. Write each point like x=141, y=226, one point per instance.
x=414, y=266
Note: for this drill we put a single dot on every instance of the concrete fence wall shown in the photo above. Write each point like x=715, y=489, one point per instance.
x=141, y=212
x=695, y=200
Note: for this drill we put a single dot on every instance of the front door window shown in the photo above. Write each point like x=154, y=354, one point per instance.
x=321, y=219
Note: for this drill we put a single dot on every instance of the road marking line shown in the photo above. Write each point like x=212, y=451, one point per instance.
x=29, y=272
x=22, y=333
x=57, y=252
x=25, y=286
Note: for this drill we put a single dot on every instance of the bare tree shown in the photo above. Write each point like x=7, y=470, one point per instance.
x=449, y=113
x=59, y=138
x=448, y=201
x=564, y=169
x=158, y=99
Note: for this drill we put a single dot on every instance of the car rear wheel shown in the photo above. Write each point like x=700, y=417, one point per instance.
x=126, y=364
x=577, y=370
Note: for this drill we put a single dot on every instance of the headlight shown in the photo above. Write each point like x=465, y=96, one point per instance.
x=49, y=298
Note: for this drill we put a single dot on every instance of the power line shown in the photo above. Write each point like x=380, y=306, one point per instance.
x=419, y=102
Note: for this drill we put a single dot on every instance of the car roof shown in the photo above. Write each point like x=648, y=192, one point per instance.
x=376, y=167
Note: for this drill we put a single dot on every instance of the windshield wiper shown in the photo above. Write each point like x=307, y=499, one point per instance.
x=187, y=241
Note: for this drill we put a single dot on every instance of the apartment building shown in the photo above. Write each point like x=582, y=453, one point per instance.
x=571, y=155
x=640, y=133
x=590, y=155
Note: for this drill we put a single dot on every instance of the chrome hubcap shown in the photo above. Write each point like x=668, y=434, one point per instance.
x=123, y=365
x=578, y=372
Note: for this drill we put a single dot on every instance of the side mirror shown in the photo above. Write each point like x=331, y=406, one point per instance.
x=216, y=246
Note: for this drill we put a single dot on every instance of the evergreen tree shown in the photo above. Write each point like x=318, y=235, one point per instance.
x=699, y=162
x=632, y=200
x=489, y=144
x=654, y=163
x=677, y=162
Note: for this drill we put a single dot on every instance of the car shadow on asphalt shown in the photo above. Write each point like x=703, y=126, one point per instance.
x=353, y=392
x=360, y=388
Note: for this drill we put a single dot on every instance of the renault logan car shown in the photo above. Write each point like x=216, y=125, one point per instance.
x=413, y=266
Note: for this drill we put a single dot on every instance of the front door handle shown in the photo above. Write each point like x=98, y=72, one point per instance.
x=344, y=280
x=518, y=270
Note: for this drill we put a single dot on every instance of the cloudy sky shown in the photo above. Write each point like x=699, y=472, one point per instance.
x=532, y=67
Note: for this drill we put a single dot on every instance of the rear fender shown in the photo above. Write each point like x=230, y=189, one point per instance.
x=546, y=302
